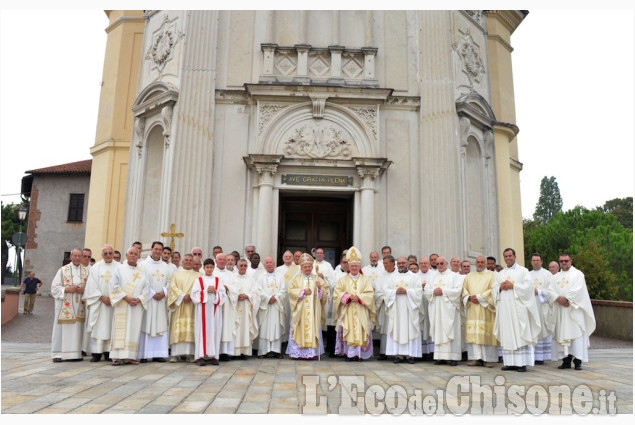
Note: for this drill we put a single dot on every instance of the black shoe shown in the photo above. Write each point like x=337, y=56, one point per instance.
x=83, y=353
x=143, y=361
x=509, y=368
x=500, y=360
x=453, y=363
x=578, y=364
x=76, y=360
x=243, y=357
x=382, y=357
x=95, y=358
x=107, y=356
x=348, y=359
x=411, y=360
x=158, y=359
x=224, y=358
x=439, y=362
x=539, y=362
x=464, y=356
x=213, y=362
x=57, y=360
x=398, y=360
x=566, y=362
x=521, y=369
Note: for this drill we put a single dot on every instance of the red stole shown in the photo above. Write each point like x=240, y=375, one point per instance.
x=200, y=281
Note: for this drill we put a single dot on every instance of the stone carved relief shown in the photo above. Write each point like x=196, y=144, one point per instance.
x=368, y=114
x=267, y=112
x=163, y=42
x=352, y=65
x=470, y=56
x=319, y=64
x=166, y=118
x=477, y=15
x=286, y=62
x=320, y=141
x=139, y=128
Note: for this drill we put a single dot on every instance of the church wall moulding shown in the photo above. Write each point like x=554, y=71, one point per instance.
x=164, y=41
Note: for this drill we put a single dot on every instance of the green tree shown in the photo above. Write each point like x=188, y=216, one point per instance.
x=599, y=245
x=549, y=202
x=622, y=209
x=10, y=225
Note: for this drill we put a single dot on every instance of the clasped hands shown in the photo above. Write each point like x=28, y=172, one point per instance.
x=506, y=285
x=131, y=301
x=74, y=289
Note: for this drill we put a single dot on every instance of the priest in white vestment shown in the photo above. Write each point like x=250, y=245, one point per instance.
x=355, y=311
x=381, y=311
x=403, y=301
x=325, y=271
x=240, y=326
x=208, y=296
x=372, y=272
x=517, y=322
x=444, y=309
x=573, y=314
x=542, y=281
x=424, y=276
x=182, y=309
x=129, y=298
x=155, y=333
x=480, y=314
x=287, y=270
x=272, y=314
x=255, y=269
x=307, y=295
x=99, y=309
x=70, y=309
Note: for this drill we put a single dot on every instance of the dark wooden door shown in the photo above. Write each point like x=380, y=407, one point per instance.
x=315, y=222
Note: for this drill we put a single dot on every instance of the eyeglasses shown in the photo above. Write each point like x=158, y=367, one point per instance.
x=108, y=253
x=198, y=254
x=564, y=261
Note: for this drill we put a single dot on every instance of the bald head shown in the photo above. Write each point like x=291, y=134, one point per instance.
x=455, y=264
x=481, y=263
x=424, y=264
x=269, y=264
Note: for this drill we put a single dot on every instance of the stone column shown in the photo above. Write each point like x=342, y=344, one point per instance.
x=268, y=54
x=336, y=65
x=367, y=214
x=266, y=167
x=369, y=66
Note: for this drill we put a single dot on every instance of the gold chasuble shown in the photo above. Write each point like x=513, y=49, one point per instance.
x=479, y=320
x=357, y=320
x=293, y=269
x=307, y=315
x=182, y=322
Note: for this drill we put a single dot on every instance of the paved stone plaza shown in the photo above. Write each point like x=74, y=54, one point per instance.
x=32, y=383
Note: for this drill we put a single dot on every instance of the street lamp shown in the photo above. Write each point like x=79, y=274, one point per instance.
x=21, y=217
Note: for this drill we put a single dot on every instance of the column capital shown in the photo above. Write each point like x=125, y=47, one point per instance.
x=265, y=165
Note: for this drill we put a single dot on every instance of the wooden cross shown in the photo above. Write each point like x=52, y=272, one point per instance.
x=172, y=235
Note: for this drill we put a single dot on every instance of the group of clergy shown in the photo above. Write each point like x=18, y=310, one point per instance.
x=153, y=310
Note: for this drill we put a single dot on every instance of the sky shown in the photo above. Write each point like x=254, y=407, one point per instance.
x=573, y=80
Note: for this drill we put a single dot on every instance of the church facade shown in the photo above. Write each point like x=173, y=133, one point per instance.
x=304, y=129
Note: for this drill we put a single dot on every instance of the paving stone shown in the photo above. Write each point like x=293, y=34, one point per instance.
x=191, y=407
x=255, y=408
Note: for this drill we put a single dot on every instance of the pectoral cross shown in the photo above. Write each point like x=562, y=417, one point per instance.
x=172, y=235
x=135, y=276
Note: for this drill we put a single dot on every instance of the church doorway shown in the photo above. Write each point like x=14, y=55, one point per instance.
x=308, y=222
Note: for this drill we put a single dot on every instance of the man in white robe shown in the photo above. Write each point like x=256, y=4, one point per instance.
x=381, y=300
x=403, y=301
x=573, y=314
x=543, y=282
x=554, y=268
x=70, y=310
x=272, y=314
x=482, y=346
x=444, y=309
x=208, y=295
x=325, y=271
x=155, y=333
x=240, y=325
x=425, y=274
x=255, y=269
x=99, y=309
x=372, y=271
x=129, y=298
x=166, y=255
x=288, y=271
x=517, y=323
x=182, y=310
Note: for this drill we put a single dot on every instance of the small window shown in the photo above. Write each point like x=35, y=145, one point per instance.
x=76, y=207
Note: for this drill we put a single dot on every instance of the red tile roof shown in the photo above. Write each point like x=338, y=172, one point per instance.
x=79, y=167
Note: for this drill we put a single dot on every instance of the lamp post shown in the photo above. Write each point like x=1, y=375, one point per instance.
x=21, y=217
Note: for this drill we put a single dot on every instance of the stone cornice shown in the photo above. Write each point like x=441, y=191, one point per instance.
x=511, y=19
x=109, y=144
x=125, y=19
x=273, y=91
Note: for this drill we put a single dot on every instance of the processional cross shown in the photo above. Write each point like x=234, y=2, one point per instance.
x=172, y=235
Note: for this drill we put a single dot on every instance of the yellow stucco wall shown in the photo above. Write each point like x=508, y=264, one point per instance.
x=500, y=25
x=104, y=222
